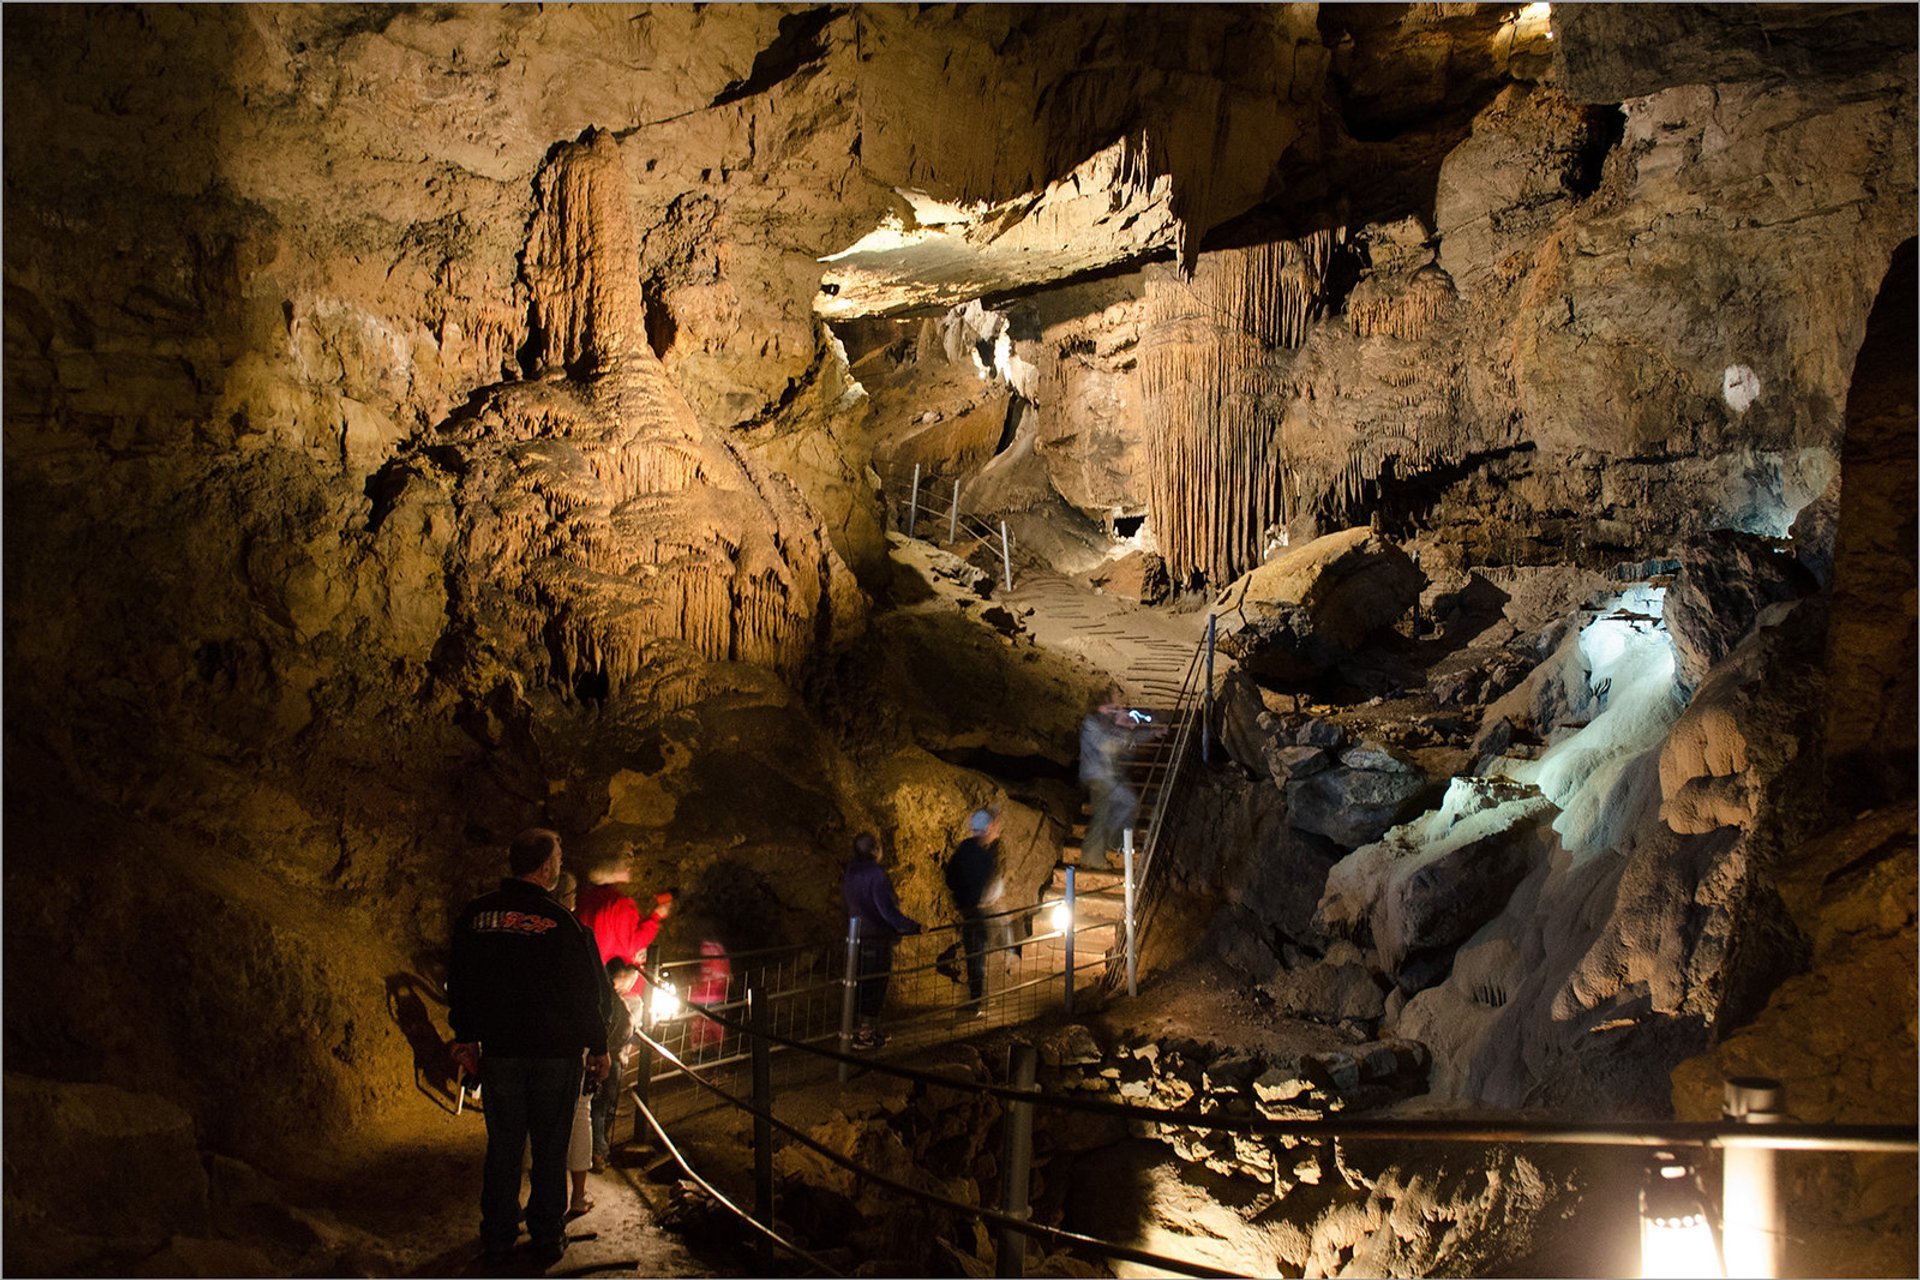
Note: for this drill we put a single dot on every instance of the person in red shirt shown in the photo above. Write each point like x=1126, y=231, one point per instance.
x=615, y=918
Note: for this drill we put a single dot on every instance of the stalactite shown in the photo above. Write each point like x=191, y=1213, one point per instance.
x=1213, y=456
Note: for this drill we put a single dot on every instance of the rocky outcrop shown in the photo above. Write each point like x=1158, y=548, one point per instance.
x=1427, y=887
x=1840, y=1038
x=596, y=516
x=1873, y=648
x=1725, y=580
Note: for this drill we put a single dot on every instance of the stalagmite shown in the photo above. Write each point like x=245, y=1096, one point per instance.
x=599, y=516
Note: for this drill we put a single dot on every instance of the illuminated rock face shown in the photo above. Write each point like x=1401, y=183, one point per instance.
x=390, y=467
x=598, y=517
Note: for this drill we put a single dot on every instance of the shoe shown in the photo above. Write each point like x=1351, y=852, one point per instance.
x=548, y=1255
x=580, y=1210
x=599, y=1165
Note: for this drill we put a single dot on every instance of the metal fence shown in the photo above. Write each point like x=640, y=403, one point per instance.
x=930, y=502
x=1747, y=1237
x=1036, y=960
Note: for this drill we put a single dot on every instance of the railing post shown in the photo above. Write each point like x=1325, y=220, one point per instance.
x=1006, y=556
x=1126, y=862
x=1071, y=922
x=913, y=503
x=642, y=1087
x=1016, y=1163
x=643, y=1060
x=953, y=516
x=1749, y=1202
x=1206, y=712
x=847, y=994
x=758, y=1008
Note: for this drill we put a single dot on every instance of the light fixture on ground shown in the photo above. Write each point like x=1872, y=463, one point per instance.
x=663, y=1002
x=1749, y=1199
x=1060, y=917
x=1676, y=1226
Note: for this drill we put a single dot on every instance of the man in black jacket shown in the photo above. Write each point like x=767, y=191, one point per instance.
x=525, y=1007
x=970, y=876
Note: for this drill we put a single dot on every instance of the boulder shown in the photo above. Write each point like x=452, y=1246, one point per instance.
x=1352, y=807
x=1726, y=578
x=1313, y=731
x=1425, y=887
x=1328, y=992
x=102, y=1160
x=1280, y=647
x=1138, y=575
x=1438, y=905
x=1246, y=726
x=1287, y=763
x=1350, y=584
x=1070, y=1046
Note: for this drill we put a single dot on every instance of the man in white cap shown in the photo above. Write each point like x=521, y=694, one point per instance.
x=970, y=875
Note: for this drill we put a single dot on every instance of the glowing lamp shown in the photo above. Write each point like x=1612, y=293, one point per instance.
x=1676, y=1229
x=663, y=1003
x=1061, y=917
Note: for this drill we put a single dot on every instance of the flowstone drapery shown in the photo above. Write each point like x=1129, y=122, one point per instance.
x=1213, y=458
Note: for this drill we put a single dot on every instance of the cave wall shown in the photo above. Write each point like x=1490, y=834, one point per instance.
x=274, y=298
x=1615, y=302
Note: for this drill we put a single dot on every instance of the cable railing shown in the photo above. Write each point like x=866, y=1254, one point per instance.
x=1749, y=1135
x=1033, y=960
x=934, y=501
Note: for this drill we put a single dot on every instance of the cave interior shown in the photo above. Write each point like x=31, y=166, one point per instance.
x=715, y=431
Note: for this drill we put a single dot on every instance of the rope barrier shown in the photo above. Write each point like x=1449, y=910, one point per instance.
x=994, y=1216
x=725, y=1203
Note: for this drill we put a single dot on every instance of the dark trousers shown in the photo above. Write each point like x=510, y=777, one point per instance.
x=875, y=961
x=606, y=1101
x=973, y=938
x=527, y=1101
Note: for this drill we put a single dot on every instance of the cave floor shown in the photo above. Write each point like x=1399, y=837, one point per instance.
x=412, y=1209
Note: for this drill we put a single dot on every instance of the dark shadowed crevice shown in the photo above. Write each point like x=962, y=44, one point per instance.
x=798, y=44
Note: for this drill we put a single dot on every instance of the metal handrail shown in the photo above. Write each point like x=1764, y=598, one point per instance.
x=1022, y=1224
x=1016, y=1223
x=1879, y=1138
x=1163, y=774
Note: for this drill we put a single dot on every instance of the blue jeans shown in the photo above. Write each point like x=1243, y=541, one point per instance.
x=527, y=1100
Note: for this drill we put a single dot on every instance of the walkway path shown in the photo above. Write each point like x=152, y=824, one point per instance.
x=1145, y=649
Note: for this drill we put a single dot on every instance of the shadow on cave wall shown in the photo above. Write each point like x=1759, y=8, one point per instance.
x=434, y=1074
x=1872, y=652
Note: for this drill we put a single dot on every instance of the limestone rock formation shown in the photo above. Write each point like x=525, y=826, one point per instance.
x=597, y=517
x=388, y=469
x=1726, y=580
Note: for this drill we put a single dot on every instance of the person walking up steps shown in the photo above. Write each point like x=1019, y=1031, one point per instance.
x=868, y=893
x=1107, y=738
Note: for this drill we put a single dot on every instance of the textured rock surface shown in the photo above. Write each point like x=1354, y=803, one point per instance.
x=1725, y=580
x=374, y=491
